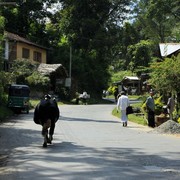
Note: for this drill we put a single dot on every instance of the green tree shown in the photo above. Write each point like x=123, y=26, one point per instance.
x=118, y=76
x=155, y=18
x=28, y=19
x=23, y=72
x=139, y=54
x=165, y=76
x=1, y=40
x=126, y=36
x=38, y=82
x=90, y=28
x=1, y=59
x=20, y=70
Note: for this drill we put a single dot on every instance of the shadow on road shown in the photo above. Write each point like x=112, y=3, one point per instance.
x=68, y=160
x=86, y=120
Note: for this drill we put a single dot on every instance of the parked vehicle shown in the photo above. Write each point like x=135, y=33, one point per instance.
x=18, y=98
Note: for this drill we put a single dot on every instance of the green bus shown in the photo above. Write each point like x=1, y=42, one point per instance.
x=18, y=98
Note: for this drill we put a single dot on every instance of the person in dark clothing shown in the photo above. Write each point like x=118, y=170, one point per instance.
x=150, y=106
x=170, y=105
x=116, y=92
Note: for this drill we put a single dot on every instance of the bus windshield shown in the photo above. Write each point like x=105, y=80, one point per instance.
x=19, y=90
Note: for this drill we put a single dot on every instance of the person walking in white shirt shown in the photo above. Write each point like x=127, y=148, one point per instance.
x=122, y=104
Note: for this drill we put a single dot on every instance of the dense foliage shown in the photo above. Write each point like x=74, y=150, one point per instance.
x=38, y=82
x=121, y=35
x=1, y=61
x=165, y=75
x=23, y=72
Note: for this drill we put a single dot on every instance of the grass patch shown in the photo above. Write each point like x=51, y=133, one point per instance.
x=137, y=119
x=33, y=103
x=131, y=117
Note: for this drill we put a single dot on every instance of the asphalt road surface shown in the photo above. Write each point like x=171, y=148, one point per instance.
x=89, y=143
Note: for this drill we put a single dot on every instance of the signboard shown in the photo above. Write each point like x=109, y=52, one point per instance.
x=68, y=82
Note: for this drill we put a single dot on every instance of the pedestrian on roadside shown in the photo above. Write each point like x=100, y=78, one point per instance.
x=122, y=104
x=170, y=105
x=116, y=92
x=150, y=106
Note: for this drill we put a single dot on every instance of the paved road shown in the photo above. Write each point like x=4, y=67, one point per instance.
x=89, y=143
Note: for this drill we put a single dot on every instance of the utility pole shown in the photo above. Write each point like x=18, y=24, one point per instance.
x=70, y=64
x=70, y=61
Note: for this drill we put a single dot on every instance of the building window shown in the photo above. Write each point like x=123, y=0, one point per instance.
x=37, y=56
x=25, y=53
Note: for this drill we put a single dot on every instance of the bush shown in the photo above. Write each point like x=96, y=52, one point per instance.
x=5, y=112
x=3, y=96
x=112, y=89
x=131, y=117
x=38, y=82
x=178, y=120
x=158, y=105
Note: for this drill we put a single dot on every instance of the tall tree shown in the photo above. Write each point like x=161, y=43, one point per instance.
x=165, y=75
x=155, y=18
x=139, y=55
x=27, y=18
x=1, y=59
x=91, y=29
x=1, y=39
